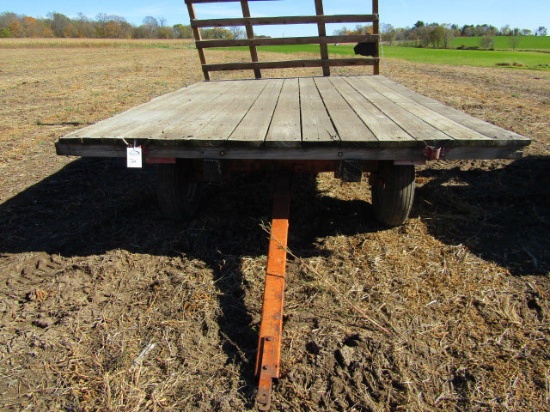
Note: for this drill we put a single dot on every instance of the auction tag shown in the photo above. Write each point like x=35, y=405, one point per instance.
x=134, y=157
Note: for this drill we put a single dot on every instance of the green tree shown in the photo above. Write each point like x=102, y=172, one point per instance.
x=151, y=26
x=182, y=32
x=541, y=31
x=487, y=42
x=436, y=36
x=60, y=24
x=513, y=40
x=6, y=18
x=5, y=33
x=101, y=21
x=238, y=32
x=217, y=33
x=505, y=30
x=467, y=31
x=388, y=33
x=165, y=33
x=449, y=36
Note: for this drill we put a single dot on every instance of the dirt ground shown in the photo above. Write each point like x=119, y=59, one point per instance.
x=104, y=305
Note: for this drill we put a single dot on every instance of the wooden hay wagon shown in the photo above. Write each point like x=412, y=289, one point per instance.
x=349, y=125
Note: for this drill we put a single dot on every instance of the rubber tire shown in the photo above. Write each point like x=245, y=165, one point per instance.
x=392, y=193
x=178, y=192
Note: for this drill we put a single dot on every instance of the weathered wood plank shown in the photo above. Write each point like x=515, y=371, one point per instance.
x=68, y=148
x=501, y=136
x=254, y=126
x=386, y=131
x=349, y=127
x=169, y=116
x=414, y=126
x=281, y=41
x=73, y=147
x=270, y=21
x=448, y=126
x=198, y=38
x=216, y=120
x=285, y=129
x=189, y=122
x=316, y=124
x=250, y=35
x=140, y=120
x=376, y=31
x=321, y=27
x=357, y=61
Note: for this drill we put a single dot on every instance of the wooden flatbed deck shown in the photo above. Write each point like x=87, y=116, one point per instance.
x=314, y=118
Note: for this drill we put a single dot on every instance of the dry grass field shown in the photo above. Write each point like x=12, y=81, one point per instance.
x=106, y=306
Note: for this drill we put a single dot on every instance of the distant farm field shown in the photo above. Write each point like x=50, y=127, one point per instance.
x=29, y=43
x=504, y=42
x=479, y=58
x=534, y=60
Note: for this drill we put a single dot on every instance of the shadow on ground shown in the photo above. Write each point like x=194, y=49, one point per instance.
x=501, y=215
x=93, y=206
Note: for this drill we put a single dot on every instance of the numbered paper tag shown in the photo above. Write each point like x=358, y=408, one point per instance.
x=134, y=157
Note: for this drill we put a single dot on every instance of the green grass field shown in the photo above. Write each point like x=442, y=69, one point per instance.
x=534, y=60
x=503, y=42
x=481, y=58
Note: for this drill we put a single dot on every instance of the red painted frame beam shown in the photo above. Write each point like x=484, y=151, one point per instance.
x=271, y=328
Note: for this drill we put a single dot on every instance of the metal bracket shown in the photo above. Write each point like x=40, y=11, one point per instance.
x=435, y=153
x=350, y=170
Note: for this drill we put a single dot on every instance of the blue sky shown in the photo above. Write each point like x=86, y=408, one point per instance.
x=525, y=14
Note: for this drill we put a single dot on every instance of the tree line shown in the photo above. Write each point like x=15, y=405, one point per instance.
x=441, y=35
x=112, y=26
x=103, y=26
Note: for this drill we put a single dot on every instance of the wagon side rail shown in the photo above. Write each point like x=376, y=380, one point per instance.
x=370, y=41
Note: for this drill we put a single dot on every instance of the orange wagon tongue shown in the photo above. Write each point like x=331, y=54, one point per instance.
x=269, y=346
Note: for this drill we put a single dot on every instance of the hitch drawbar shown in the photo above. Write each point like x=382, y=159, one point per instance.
x=271, y=328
